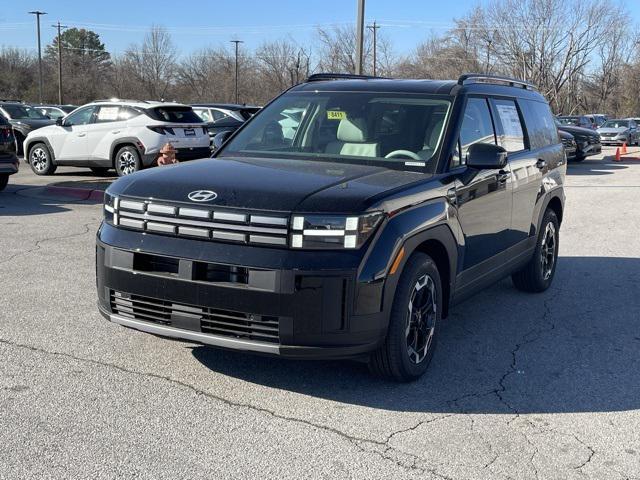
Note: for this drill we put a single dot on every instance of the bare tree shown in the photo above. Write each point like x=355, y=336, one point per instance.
x=281, y=64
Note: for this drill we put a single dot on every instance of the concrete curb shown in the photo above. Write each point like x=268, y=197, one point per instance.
x=74, y=192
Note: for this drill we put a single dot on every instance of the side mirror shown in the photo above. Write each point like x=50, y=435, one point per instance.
x=59, y=121
x=486, y=155
x=220, y=138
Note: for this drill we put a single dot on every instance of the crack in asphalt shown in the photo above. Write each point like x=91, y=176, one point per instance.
x=354, y=440
x=592, y=452
x=37, y=244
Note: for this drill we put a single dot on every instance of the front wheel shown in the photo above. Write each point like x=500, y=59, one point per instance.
x=127, y=161
x=413, y=324
x=537, y=275
x=40, y=160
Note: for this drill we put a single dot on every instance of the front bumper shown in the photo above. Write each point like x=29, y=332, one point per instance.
x=9, y=164
x=304, y=312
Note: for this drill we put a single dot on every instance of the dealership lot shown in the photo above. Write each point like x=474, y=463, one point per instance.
x=521, y=386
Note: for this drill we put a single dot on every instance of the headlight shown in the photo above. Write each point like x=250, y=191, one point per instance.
x=333, y=231
x=110, y=207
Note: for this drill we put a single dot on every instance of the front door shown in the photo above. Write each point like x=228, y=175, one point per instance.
x=484, y=197
x=74, y=145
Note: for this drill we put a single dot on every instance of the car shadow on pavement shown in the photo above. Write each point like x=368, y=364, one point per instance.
x=605, y=166
x=16, y=202
x=574, y=348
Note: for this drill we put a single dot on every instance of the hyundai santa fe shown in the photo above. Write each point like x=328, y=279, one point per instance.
x=347, y=235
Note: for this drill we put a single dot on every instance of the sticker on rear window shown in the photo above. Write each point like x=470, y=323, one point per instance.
x=336, y=115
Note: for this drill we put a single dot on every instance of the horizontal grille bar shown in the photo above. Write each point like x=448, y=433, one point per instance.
x=212, y=224
x=208, y=320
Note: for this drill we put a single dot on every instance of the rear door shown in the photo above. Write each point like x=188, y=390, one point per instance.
x=106, y=127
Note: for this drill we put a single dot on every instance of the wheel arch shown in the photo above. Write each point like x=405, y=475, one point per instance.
x=124, y=142
x=29, y=143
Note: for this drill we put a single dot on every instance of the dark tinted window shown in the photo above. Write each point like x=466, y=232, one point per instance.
x=511, y=137
x=174, y=114
x=540, y=124
x=476, y=127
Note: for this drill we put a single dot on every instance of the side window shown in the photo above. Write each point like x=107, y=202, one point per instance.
x=125, y=113
x=52, y=113
x=218, y=115
x=477, y=127
x=540, y=125
x=107, y=113
x=81, y=117
x=203, y=113
x=511, y=137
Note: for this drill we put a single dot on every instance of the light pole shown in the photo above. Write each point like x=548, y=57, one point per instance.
x=38, y=13
x=374, y=28
x=236, y=77
x=59, y=27
x=359, y=37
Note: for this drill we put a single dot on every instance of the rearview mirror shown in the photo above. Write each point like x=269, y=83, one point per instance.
x=220, y=138
x=486, y=155
x=59, y=121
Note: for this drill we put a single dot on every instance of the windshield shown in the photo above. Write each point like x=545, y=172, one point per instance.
x=569, y=120
x=616, y=124
x=391, y=130
x=21, y=111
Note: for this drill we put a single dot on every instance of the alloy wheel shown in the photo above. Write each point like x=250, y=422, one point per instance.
x=39, y=159
x=127, y=163
x=421, y=319
x=548, y=251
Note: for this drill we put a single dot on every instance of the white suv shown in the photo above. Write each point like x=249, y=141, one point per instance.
x=125, y=135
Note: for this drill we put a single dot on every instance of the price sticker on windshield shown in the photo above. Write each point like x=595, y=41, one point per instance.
x=336, y=115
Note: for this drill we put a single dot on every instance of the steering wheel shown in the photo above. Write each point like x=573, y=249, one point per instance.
x=406, y=153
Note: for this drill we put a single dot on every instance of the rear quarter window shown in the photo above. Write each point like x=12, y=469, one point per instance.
x=539, y=122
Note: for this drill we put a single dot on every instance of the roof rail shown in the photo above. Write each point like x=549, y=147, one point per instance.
x=317, y=77
x=468, y=78
x=10, y=100
x=119, y=100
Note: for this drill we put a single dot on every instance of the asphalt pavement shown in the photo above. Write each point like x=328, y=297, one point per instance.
x=522, y=386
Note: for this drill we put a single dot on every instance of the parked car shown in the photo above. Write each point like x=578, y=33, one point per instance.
x=23, y=118
x=569, y=144
x=617, y=132
x=224, y=117
x=55, y=111
x=9, y=163
x=597, y=118
x=577, y=121
x=393, y=200
x=126, y=135
x=587, y=141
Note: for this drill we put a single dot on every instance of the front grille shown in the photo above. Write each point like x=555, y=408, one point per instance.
x=227, y=323
x=594, y=140
x=568, y=143
x=608, y=135
x=225, y=225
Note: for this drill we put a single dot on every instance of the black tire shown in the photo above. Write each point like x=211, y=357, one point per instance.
x=4, y=180
x=579, y=158
x=393, y=360
x=99, y=170
x=19, y=139
x=40, y=160
x=537, y=275
x=127, y=161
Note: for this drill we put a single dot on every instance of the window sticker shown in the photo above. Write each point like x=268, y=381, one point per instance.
x=510, y=120
x=108, y=113
x=336, y=115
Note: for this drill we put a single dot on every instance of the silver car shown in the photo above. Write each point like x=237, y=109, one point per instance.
x=617, y=132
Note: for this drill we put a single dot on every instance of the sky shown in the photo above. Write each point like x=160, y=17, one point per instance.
x=200, y=23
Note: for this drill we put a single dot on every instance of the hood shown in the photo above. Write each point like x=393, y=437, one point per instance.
x=31, y=123
x=577, y=130
x=613, y=130
x=269, y=184
x=565, y=135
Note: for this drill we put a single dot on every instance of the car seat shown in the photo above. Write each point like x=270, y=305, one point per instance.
x=352, y=140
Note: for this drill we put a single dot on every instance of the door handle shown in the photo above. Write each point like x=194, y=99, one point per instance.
x=82, y=134
x=503, y=176
x=115, y=132
x=541, y=163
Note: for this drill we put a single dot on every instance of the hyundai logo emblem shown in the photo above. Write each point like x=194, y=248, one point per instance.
x=202, y=196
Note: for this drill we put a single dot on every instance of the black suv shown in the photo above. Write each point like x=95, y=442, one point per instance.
x=9, y=163
x=23, y=119
x=351, y=237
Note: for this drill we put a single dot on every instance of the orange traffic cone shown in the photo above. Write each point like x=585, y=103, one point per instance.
x=624, y=148
x=617, y=159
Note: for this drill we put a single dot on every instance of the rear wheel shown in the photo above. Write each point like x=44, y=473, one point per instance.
x=99, y=170
x=127, y=161
x=537, y=275
x=4, y=180
x=40, y=160
x=413, y=323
